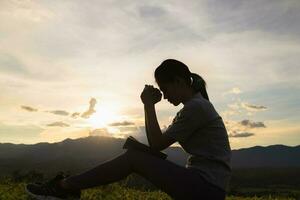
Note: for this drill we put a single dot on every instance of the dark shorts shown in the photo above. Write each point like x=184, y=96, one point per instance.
x=206, y=189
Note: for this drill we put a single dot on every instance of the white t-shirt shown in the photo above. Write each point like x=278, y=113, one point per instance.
x=201, y=132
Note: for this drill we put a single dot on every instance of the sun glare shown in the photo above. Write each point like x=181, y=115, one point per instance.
x=105, y=114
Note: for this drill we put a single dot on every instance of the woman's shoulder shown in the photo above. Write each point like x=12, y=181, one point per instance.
x=201, y=106
x=198, y=103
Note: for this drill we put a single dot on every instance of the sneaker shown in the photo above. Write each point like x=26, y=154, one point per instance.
x=50, y=190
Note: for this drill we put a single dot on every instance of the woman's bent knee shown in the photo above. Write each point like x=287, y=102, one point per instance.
x=134, y=153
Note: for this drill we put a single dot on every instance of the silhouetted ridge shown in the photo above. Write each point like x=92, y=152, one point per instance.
x=83, y=153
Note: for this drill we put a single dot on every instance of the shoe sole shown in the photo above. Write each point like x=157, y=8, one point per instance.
x=43, y=197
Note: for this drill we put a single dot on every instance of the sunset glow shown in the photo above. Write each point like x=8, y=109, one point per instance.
x=105, y=115
x=71, y=69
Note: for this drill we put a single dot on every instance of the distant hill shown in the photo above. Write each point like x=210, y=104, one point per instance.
x=74, y=155
x=80, y=154
x=275, y=156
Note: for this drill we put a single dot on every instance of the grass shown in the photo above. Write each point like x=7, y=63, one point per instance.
x=15, y=191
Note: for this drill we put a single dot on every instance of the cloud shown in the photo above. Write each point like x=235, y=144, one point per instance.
x=251, y=107
x=75, y=115
x=128, y=129
x=91, y=109
x=241, y=129
x=151, y=12
x=11, y=64
x=121, y=132
x=270, y=16
x=59, y=124
x=233, y=109
x=29, y=11
x=250, y=124
x=100, y=132
x=124, y=123
x=29, y=109
x=241, y=134
x=229, y=113
x=59, y=112
x=234, y=90
x=137, y=132
x=234, y=106
x=239, y=108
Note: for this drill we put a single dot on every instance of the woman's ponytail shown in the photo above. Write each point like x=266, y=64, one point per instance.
x=169, y=69
x=198, y=84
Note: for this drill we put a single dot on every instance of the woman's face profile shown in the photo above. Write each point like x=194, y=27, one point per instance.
x=170, y=92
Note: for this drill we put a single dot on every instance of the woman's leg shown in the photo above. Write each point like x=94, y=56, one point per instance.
x=110, y=171
x=173, y=179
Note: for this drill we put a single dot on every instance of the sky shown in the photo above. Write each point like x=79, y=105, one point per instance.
x=71, y=69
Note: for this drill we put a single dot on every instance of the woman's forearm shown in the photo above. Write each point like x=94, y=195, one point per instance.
x=146, y=128
x=153, y=131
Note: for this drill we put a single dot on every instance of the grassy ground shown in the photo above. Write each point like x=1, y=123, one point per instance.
x=15, y=191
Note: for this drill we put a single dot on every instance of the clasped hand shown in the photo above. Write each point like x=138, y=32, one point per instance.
x=150, y=95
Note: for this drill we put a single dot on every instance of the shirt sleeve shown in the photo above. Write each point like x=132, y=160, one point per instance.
x=190, y=118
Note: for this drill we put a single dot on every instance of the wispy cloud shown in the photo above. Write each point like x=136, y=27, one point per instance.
x=251, y=124
x=251, y=107
x=75, y=115
x=124, y=123
x=239, y=108
x=58, y=124
x=234, y=90
x=241, y=134
x=29, y=109
x=242, y=128
x=91, y=109
x=59, y=112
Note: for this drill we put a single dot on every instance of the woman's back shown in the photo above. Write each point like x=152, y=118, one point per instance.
x=201, y=132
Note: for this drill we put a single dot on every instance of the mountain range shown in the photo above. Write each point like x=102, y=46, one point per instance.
x=80, y=154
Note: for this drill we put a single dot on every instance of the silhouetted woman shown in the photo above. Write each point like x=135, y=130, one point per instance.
x=197, y=127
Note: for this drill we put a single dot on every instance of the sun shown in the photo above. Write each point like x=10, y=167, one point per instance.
x=104, y=115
